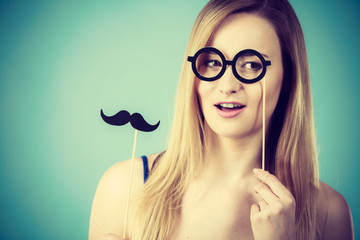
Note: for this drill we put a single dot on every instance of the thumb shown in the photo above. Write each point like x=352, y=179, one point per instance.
x=254, y=210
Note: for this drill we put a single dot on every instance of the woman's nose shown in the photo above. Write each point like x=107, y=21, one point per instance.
x=228, y=83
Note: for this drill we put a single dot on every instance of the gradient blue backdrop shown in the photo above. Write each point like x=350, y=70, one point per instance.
x=62, y=61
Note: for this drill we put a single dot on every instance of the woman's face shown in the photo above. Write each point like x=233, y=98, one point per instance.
x=239, y=32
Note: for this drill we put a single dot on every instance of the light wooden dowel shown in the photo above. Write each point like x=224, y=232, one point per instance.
x=130, y=185
x=263, y=128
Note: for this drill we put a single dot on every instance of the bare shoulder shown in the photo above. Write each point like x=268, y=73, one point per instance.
x=109, y=205
x=334, y=214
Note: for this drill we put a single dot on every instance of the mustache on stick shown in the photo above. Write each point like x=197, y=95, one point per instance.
x=136, y=120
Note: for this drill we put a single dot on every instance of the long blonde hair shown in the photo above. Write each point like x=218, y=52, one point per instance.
x=290, y=152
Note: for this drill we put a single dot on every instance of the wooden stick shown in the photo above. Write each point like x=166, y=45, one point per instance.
x=130, y=185
x=263, y=128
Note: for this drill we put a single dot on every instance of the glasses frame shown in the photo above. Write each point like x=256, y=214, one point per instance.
x=225, y=62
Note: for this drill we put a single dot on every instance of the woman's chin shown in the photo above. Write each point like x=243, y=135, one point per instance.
x=233, y=130
x=231, y=133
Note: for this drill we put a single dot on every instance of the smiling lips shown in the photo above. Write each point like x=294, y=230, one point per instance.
x=229, y=109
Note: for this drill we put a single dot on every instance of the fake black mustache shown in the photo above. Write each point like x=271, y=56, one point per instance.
x=135, y=119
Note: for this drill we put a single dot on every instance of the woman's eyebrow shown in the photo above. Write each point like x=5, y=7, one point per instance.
x=252, y=54
x=264, y=55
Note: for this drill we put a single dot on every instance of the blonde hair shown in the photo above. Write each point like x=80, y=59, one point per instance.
x=290, y=152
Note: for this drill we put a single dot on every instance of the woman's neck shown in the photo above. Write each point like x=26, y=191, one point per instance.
x=232, y=157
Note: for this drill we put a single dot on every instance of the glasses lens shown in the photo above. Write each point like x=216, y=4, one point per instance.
x=209, y=64
x=249, y=66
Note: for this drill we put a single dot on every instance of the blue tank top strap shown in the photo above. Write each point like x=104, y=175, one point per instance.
x=146, y=167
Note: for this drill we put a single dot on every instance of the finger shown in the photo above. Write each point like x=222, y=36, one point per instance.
x=263, y=205
x=266, y=193
x=254, y=209
x=275, y=185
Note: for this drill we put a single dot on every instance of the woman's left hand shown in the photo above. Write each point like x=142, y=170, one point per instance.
x=274, y=216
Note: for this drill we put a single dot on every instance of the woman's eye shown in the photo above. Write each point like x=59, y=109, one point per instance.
x=212, y=63
x=252, y=65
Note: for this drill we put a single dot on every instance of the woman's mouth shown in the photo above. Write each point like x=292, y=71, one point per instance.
x=229, y=110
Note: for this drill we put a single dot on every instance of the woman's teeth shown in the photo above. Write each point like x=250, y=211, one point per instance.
x=229, y=106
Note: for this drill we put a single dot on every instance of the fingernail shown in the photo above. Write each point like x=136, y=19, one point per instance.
x=257, y=170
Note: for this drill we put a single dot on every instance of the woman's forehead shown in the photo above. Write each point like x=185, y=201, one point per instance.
x=244, y=31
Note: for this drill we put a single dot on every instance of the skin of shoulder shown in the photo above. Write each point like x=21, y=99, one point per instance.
x=334, y=215
x=109, y=205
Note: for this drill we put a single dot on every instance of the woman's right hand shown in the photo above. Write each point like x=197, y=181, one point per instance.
x=274, y=216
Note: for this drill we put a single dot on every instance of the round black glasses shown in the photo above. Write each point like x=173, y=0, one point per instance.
x=209, y=64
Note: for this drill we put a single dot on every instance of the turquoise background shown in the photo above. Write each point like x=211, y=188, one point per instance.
x=62, y=61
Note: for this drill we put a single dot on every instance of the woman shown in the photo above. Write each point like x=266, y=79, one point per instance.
x=208, y=183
